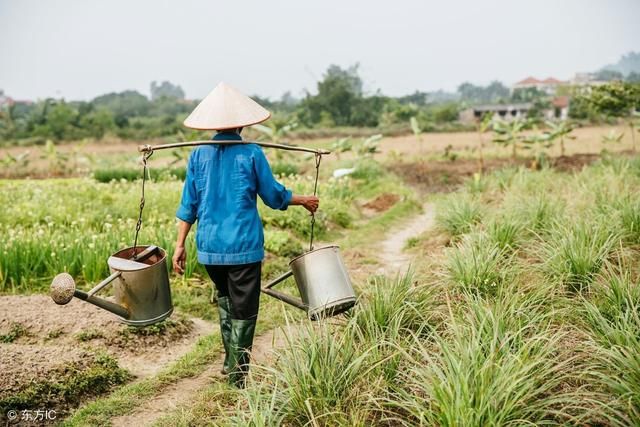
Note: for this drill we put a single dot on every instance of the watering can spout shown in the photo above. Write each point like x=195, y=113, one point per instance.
x=140, y=286
x=63, y=289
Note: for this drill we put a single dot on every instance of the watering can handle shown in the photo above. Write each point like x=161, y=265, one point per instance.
x=97, y=288
x=279, y=295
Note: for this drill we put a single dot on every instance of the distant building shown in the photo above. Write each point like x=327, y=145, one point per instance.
x=548, y=85
x=506, y=112
x=559, y=110
x=586, y=80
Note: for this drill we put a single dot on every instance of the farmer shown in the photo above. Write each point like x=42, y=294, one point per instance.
x=220, y=193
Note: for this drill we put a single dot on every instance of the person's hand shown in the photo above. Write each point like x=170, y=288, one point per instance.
x=179, y=259
x=311, y=203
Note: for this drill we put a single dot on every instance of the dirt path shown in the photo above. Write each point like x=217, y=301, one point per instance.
x=178, y=395
x=392, y=257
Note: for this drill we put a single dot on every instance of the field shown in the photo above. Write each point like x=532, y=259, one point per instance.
x=507, y=297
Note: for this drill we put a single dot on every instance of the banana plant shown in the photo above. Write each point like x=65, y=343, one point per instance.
x=57, y=160
x=181, y=155
x=417, y=130
x=276, y=130
x=539, y=143
x=560, y=130
x=482, y=126
x=509, y=133
x=20, y=160
x=275, y=133
x=612, y=137
x=341, y=145
x=370, y=146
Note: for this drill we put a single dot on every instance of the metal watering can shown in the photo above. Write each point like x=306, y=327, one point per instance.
x=323, y=283
x=140, y=282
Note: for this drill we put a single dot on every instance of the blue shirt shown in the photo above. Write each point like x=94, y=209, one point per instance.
x=220, y=193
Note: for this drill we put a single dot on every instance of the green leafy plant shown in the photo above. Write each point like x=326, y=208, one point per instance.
x=613, y=137
x=478, y=265
x=509, y=133
x=574, y=254
x=559, y=130
x=482, y=125
x=369, y=146
x=458, y=216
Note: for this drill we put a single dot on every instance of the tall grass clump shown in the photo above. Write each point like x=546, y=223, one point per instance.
x=613, y=311
x=319, y=378
x=574, y=254
x=458, y=215
x=489, y=370
x=629, y=209
x=478, y=265
x=392, y=307
x=390, y=313
x=613, y=317
x=506, y=232
x=540, y=212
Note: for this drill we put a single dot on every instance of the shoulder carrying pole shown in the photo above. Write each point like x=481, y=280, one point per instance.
x=151, y=148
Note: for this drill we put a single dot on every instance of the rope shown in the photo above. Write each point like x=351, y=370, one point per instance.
x=315, y=191
x=145, y=171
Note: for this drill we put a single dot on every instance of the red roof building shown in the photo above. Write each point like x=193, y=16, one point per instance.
x=547, y=85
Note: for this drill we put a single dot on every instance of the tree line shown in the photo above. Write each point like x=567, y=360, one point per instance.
x=340, y=100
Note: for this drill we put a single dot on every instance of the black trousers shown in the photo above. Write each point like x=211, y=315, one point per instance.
x=241, y=283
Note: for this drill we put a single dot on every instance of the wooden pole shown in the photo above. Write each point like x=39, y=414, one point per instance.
x=147, y=148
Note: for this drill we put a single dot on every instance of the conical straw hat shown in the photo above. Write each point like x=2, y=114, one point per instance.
x=226, y=108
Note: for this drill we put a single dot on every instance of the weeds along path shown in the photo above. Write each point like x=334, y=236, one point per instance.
x=180, y=394
x=392, y=256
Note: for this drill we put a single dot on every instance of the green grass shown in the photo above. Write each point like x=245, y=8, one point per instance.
x=193, y=298
x=74, y=225
x=457, y=216
x=532, y=317
x=125, y=399
x=482, y=372
x=15, y=331
x=129, y=174
x=574, y=254
x=478, y=265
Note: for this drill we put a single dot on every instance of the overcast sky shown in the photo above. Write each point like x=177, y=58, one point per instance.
x=78, y=49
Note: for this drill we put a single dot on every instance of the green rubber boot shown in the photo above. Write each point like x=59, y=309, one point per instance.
x=240, y=345
x=224, y=311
